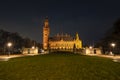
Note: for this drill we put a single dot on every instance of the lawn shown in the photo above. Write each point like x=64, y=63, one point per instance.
x=59, y=67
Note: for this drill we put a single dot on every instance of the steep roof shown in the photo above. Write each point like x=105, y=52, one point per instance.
x=64, y=37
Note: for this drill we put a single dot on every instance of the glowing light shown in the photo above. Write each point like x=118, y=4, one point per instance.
x=9, y=44
x=90, y=47
x=33, y=47
x=113, y=45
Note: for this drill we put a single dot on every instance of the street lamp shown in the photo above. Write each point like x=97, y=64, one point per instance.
x=33, y=47
x=9, y=44
x=113, y=45
x=90, y=47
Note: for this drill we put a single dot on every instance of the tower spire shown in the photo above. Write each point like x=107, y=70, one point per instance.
x=77, y=36
x=46, y=23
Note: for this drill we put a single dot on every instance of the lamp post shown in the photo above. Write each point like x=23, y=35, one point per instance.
x=33, y=47
x=113, y=46
x=90, y=47
x=9, y=44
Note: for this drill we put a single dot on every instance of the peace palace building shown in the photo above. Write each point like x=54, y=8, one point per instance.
x=59, y=41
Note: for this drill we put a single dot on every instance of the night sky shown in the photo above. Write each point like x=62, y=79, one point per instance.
x=91, y=19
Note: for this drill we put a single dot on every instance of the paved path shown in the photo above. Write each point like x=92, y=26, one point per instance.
x=6, y=57
x=115, y=58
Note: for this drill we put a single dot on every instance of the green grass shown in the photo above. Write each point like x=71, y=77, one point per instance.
x=60, y=67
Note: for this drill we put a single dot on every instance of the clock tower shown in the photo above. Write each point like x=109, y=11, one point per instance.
x=46, y=32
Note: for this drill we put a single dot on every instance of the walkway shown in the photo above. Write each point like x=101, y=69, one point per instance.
x=115, y=58
x=6, y=57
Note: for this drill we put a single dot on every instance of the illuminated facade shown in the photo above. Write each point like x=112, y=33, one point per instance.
x=30, y=50
x=59, y=41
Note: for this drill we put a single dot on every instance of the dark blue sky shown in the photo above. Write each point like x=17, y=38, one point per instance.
x=90, y=18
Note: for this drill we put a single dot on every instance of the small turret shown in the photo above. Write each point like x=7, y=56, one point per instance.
x=46, y=23
x=78, y=42
x=77, y=36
